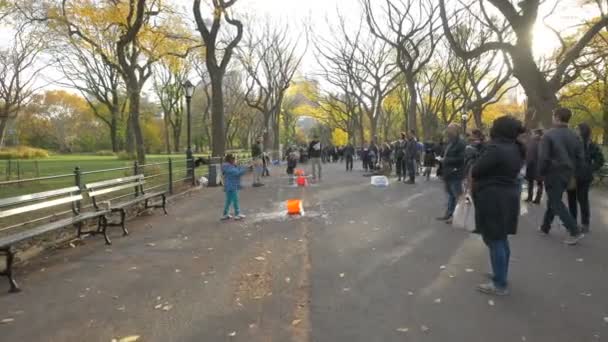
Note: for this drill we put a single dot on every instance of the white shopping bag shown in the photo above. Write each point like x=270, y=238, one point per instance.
x=379, y=181
x=464, y=215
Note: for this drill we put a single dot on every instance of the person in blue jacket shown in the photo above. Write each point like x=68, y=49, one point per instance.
x=232, y=184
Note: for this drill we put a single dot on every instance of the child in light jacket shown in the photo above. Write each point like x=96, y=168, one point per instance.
x=232, y=184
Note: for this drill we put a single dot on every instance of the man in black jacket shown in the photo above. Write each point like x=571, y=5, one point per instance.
x=560, y=156
x=314, y=153
x=400, y=156
x=411, y=151
x=348, y=152
x=453, y=169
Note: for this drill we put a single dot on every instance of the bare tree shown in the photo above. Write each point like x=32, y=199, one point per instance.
x=19, y=70
x=270, y=58
x=99, y=83
x=512, y=33
x=367, y=63
x=169, y=77
x=217, y=59
x=410, y=27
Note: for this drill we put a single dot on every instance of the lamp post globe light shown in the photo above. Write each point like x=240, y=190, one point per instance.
x=465, y=118
x=189, y=90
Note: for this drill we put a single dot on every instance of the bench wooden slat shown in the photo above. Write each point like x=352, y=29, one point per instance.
x=102, y=184
x=30, y=233
x=116, y=188
x=41, y=205
x=138, y=199
x=5, y=202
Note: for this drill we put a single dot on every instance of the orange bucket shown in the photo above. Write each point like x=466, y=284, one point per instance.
x=301, y=181
x=298, y=172
x=294, y=207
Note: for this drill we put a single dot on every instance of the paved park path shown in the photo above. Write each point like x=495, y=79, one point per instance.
x=364, y=264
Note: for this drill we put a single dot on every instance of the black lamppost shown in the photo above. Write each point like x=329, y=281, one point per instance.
x=465, y=118
x=189, y=88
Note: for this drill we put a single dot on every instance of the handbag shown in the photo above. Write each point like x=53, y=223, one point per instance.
x=464, y=214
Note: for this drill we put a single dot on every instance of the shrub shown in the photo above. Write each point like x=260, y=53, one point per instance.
x=23, y=152
x=125, y=156
x=105, y=153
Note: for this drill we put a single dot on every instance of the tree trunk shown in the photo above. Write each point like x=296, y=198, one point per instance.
x=114, y=130
x=217, y=114
x=167, y=134
x=412, y=122
x=130, y=144
x=140, y=149
x=605, y=124
x=477, y=117
x=177, y=132
x=3, y=124
x=276, y=141
x=267, y=139
x=541, y=98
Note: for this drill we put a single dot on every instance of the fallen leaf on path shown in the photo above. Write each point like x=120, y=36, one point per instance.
x=260, y=258
x=167, y=307
x=580, y=259
x=491, y=302
x=451, y=275
x=159, y=298
x=158, y=306
x=342, y=275
x=268, y=252
x=210, y=248
x=151, y=244
x=346, y=289
x=177, y=270
x=410, y=293
x=469, y=270
x=121, y=308
x=72, y=245
x=252, y=326
x=7, y=320
x=442, y=267
x=424, y=328
x=438, y=300
x=296, y=322
x=288, y=280
x=232, y=334
x=133, y=268
x=403, y=330
x=131, y=338
x=605, y=319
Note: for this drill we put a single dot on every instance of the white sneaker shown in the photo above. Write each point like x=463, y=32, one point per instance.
x=239, y=217
x=573, y=240
x=226, y=218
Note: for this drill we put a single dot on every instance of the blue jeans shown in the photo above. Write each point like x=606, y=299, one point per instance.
x=232, y=198
x=454, y=189
x=500, y=254
x=410, y=164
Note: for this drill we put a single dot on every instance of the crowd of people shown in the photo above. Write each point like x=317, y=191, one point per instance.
x=490, y=171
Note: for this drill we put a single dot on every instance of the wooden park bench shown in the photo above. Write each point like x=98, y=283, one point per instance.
x=37, y=201
x=99, y=189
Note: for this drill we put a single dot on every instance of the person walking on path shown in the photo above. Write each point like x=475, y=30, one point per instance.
x=314, y=153
x=411, y=152
x=561, y=155
x=532, y=167
x=497, y=199
x=452, y=169
x=429, y=160
x=593, y=161
x=232, y=184
x=472, y=152
x=257, y=155
x=349, y=152
x=400, y=146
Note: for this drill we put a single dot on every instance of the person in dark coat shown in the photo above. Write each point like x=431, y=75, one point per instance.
x=532, y=167
x=496, y=197
x=411, y=153
x=429, y=160
x=453, y=169
x=593, y=161
x=400, y=156
x=560, y=156
x=349, y=152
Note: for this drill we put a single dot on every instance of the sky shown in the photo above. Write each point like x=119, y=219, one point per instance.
x=321, y=13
